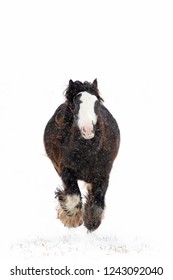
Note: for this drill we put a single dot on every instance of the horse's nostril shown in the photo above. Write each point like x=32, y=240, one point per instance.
x=87, y=133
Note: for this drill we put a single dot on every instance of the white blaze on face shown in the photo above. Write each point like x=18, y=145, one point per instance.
x=87, y=117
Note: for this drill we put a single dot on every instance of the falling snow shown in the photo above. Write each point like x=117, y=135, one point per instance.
x=127, y=46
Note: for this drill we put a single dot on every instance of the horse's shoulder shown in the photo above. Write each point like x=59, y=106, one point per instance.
x=60, y=114
x=61, y=109
x=107, y=118
x=105, y=112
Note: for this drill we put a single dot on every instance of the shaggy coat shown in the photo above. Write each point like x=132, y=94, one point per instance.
x=76, y=158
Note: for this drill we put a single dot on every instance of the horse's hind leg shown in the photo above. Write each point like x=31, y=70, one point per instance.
x=70, y=203
x=95, y=204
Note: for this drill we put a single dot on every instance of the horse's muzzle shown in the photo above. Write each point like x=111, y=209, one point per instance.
x=87, y=132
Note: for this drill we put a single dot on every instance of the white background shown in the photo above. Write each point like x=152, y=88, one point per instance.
x=127, y=46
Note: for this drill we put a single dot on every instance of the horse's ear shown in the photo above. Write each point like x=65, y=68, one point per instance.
x=95, y=83
x=71, y=83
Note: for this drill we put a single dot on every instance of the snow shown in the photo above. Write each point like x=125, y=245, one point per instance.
x=127, y=46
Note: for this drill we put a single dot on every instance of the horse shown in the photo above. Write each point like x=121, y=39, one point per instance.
x=82, y=140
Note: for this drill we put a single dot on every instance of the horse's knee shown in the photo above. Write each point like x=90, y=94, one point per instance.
x=70, y=182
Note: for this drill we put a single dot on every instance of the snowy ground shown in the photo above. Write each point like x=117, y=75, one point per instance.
x=127, y=46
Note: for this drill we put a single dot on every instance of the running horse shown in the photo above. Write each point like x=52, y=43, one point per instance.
x=82, y=140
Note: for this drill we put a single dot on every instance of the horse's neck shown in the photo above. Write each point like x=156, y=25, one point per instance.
x=68, y=116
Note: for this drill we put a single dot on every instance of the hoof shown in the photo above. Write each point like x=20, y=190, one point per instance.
x=70, y=221
x=93, y=216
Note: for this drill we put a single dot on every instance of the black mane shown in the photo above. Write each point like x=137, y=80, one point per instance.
x=76, y=87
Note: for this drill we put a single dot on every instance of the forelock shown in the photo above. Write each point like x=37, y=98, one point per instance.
x=76, y=87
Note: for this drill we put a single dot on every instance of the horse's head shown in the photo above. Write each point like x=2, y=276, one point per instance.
x=82, y=97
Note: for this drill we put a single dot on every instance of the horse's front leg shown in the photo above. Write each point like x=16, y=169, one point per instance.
x=95, y=204
x=70, y=202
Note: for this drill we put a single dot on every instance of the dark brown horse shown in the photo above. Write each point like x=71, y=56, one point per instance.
x=82, y=140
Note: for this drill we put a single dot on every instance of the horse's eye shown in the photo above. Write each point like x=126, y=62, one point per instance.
x=77, y=97
x=77, y=101
x=96, y=107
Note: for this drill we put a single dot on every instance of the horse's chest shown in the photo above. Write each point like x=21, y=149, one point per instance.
x=81, y=155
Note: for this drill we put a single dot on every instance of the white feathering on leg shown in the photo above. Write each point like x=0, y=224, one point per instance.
x=71, y=202
x=68, y=213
